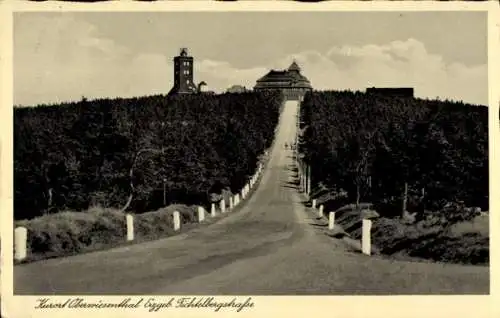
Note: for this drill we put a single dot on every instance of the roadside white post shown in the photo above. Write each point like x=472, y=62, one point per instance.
x=320, y=211
x=314, y=204
x=201, y=214
x=302, y=181
x=20, y=238
x=222, y=206
x=331, y=221
x=177, y=220
x=366, y=237
x=304, y=178
x=308, y=180
x=212, y=210
x=231, y=203
x=130, y=227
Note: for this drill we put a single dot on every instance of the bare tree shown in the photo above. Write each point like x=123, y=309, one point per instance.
x=131, y=173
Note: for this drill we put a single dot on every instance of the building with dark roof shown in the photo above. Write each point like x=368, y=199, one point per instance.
x=291, y=82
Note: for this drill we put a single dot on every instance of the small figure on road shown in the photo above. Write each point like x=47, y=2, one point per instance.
x=286, y=145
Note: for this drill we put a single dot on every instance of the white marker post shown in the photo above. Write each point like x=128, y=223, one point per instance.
x=177, y=220
x=308, y=180
x=222, y=206
x=201, y=214
x=303, y=174
x=366, y=237
x=212, y=210
x=231, y=203
x=130, y=227
x=20, y=238
x=314, y=204
x=320, y=211
x=331, y=221
x=302, y=182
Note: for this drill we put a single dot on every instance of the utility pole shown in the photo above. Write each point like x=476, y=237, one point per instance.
x=405, y=198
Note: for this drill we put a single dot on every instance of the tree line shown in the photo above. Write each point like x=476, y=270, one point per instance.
x=417, y=154
x=138, y=153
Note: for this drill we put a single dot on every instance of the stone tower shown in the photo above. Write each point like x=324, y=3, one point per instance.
x=183, y=74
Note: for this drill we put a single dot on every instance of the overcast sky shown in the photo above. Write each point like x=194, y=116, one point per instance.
x=64, y=56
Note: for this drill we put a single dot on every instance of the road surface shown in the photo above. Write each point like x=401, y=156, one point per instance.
x=269, y=247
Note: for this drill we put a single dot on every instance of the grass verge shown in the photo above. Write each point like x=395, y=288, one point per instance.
x=70, y=233
x=464, y=242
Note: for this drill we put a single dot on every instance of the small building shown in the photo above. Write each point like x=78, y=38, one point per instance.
x=183, y=74
x=237, y=89
x=391, y=91
x=291, y=82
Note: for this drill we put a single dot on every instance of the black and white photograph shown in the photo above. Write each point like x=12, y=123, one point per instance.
x=263, y=153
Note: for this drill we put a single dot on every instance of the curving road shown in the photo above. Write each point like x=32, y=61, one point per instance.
x=269, y=247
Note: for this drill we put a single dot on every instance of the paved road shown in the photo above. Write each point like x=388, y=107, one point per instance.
x=269, y=247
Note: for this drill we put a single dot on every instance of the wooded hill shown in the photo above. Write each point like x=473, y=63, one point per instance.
x=138, y=153
x=372, y=146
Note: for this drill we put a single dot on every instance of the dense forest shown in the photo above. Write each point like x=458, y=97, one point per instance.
x=425, y=154
x=138, y=153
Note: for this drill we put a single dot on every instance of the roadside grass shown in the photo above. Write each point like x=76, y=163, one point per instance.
x=464, y=242
x=69, y=233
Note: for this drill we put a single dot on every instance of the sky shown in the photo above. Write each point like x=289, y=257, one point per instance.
x=65, y=56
